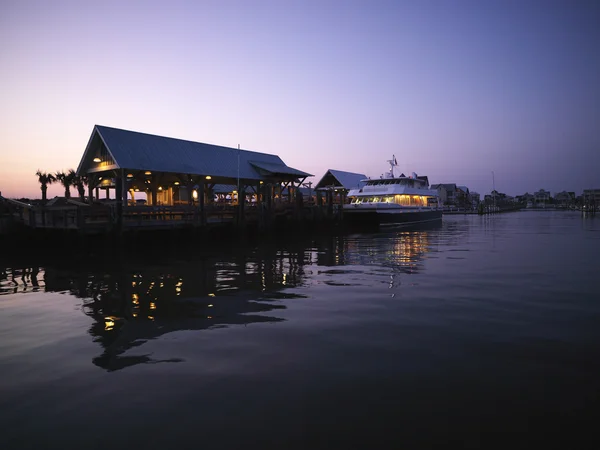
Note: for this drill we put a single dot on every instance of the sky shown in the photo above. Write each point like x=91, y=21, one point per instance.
x=456, y=90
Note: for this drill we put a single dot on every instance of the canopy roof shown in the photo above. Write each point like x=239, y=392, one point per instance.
x=339, y=178
x=114, y=148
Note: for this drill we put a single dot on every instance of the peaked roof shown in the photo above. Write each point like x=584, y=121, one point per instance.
x=347, y=180
x=131, y=150
x=444, y=185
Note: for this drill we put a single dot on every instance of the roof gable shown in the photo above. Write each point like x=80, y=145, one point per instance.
x=141, y=151
x=339, y=178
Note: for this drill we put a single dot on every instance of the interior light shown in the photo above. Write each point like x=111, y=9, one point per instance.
x=195, y=194
x=137, y=190
x=261, y=182
x=99, y=178
x=176, y=183
x=147, y=172
x=160, y=188
x=129, y=175
x=208, y=177
x=97, y=160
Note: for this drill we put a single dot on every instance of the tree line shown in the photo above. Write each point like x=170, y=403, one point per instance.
x=68, y=179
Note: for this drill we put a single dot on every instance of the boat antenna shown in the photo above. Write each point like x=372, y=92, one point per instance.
x=393, y=162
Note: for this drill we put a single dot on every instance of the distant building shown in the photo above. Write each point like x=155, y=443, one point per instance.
x=463, y=197
x=447, y=193
x=564, y=198
x=526, y=198
x=497, y=198
x=591, y=196
x=541, y=196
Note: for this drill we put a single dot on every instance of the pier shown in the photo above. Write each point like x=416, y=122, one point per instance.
x=100, y=219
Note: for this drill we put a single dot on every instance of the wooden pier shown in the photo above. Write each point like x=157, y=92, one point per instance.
x=93, y=219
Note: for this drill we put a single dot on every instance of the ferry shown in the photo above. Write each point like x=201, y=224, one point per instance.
x=393, y=200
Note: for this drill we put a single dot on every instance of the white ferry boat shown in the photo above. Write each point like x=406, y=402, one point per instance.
x=391, y=200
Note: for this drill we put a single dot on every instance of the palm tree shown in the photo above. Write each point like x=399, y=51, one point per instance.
x=45, y=179
x=66, y=179
x=80, y=182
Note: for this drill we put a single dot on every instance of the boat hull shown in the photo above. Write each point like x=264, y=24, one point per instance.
x=387, y=217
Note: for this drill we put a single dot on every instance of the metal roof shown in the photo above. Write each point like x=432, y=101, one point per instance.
x=278, y=169
x=447, y=186
x=348, y=180
x=140, y=151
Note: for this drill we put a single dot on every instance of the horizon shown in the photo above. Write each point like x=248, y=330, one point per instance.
x=455, y=90
x=60, y=189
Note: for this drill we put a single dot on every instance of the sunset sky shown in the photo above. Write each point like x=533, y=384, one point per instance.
x=455, y=89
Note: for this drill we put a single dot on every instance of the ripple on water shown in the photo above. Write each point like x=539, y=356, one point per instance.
x=478, y=322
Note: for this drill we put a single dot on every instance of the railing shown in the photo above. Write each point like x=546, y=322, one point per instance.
x=104, y=217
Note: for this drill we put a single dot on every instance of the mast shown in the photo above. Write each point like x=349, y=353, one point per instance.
x=393, y=162
x=494, y=188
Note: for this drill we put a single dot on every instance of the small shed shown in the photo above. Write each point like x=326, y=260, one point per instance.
x=335, y=184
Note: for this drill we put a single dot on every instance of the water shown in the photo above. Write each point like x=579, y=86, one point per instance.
x=480, y=333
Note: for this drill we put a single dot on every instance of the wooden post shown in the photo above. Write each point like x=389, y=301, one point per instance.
x=190, y=187
x=201, y=198
x=241, y=200
x=270, y=194
x=80, y=219
x=119, y=198
x=32, y=218
x=153, y=190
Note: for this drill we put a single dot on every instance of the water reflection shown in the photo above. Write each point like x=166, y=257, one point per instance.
x=17, y=280
x=133, y=300
x=404, y=251
x=133, y=303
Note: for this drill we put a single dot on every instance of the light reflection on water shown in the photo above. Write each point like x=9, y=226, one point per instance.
x=480, y=322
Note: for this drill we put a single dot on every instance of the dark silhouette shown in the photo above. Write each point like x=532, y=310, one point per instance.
x=66, y=179
x=80, y=182
x=45, y=179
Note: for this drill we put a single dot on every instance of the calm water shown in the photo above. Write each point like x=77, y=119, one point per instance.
x=483, y=332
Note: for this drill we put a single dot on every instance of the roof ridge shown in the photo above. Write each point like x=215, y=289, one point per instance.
x=178, y=139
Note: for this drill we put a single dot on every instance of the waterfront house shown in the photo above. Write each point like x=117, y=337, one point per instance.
x=591, y=196
x=463, y=197
x=564, y=199
x=541, y=197
x=525, y=199
x=498, y=198
x=447, y=193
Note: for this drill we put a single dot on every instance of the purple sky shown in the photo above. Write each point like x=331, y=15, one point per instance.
x=455, y=89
